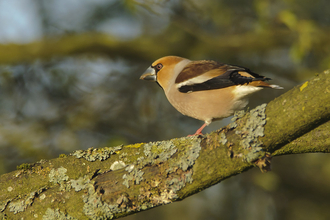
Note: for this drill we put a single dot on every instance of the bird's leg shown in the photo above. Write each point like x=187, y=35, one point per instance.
x=199, y=131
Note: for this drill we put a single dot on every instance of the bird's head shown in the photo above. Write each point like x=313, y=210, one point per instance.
x=165, y=70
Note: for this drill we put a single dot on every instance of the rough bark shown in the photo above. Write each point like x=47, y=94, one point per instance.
x=112, y=182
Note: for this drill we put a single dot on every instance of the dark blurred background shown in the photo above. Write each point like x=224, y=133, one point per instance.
x=69, y=79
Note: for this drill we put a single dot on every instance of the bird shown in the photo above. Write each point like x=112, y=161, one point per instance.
x=206, y=90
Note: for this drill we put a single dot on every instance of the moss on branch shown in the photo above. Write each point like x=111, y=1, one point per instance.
x=113, y=182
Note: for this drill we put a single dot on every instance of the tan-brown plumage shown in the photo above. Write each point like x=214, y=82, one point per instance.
x=205, y=90
x=197, y=68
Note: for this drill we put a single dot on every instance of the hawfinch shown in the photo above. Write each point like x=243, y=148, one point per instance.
x=205, y=89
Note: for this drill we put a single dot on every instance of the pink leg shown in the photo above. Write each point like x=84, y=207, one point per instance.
x=199, y=131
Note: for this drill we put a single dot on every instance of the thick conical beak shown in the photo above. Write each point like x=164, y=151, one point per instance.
x=149, y=74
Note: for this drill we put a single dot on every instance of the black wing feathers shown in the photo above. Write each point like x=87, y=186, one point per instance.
x=231, y=77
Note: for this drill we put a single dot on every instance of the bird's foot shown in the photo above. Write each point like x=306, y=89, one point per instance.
x=199, y=131
x=196, y=134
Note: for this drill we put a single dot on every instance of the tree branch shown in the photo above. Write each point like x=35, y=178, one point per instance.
x=314, y=141
x=143, y=47
x=118, y=181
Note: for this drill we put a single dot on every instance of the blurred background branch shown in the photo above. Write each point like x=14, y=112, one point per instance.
x=143, y=48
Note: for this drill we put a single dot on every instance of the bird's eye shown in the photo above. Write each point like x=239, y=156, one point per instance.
x=158, y=66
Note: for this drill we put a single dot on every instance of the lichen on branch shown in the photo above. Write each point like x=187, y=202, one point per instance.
x=116, y=181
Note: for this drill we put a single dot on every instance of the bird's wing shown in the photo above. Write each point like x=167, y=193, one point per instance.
x=209, y=75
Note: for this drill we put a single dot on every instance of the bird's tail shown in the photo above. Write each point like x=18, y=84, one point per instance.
x=260, y=83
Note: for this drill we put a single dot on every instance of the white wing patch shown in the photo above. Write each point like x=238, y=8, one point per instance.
x=196, y=80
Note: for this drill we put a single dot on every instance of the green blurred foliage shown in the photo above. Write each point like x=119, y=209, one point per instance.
x=78, y=87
